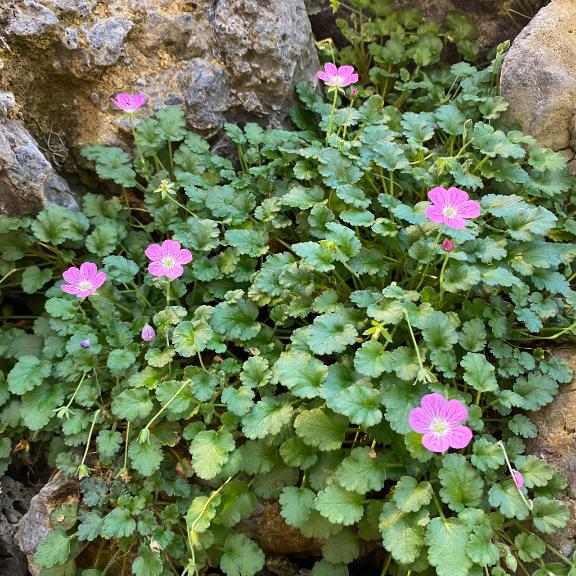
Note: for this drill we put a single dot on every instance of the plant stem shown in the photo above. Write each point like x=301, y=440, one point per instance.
x=416, y=349
x=386, y=565
x=175, y=395
x=430, y=257
x=96, y=414
x=438, y=506
x=331, y=120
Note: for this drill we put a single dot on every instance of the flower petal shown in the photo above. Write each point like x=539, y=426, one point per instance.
x=324, y=76
x=345, y=71
x=457, y=223
x=438, y=196
x=72, y=275
x=419, y=420
x=154, y=252
x=434, y=213
x=170, y=248
x=455, y=412
x=183, y=256
x=459, y=437
x=434, y=403
x=88, y=270
x=157, y=269
x=70, y=289
x=469, y=209
x=174, y=272
x=435, y=443
x=331, y=69
x=99, y=279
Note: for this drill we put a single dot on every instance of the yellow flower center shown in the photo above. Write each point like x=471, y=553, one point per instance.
x=85, y=285
x=439, y=427
x=449, y=212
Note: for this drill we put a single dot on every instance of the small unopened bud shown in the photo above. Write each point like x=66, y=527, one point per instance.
x=155, y=547
x=85, y=343
x=448, y=245
x=148, y=333
x=354, y=92
x=518, y=479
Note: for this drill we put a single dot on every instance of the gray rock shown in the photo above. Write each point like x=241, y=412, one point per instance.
x=35, y=524
x=223, y=60
x=14, y=502
x=27, y=180
x=7, y=102
x=539, y=76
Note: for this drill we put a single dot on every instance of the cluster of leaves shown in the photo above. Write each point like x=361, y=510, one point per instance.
x=317, y=312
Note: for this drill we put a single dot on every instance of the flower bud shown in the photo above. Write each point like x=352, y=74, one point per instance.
x=354, y=92
x=148, y=333
x=448, y=245
x=85, y=344
x=518, y=479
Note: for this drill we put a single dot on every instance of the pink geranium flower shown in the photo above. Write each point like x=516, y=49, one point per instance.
x=129, y=102
x=440, y=421
x=167, y=259
x=337, y=77
x=83, y=281
x=518, y=479
x=451, y=207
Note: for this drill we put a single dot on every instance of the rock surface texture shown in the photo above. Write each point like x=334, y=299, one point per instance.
x=14, y=501
x=539, y=78
x=556, y=443
x=221, y=59
x=35, y=524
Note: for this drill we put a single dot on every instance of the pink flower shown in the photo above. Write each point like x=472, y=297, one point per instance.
x=451, y=207
x=148, y=333
x=337, y=77
x=448, y=245
x=129, y=102
x=440, y=421
x=83, y=281
x=167, y=259
x=518, y=479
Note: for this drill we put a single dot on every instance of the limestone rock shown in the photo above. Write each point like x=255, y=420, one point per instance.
x=35, y=524
x=14, y=501
x=556, y=443
x=223, y=60
x=539, y=76
x=27, y=180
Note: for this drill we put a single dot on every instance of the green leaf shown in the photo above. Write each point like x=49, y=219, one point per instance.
x=108, y=442
x=146, y=457
x=103, y=240
x=191, y=338
x=529, y=546
x=522, y=426
x=28, y=373
x=132, y=404
x=340, y=506
x=321, y=428
x=549, y=515
x=238, y=400
x=479, y=373
x=341, y=547
x=296, y=505
x=147, y=563
x=236, y=321
x=251, y=242
x=325, y=568
x=473, y=335
x=410, y=495
x=242, y=557
x=210, y=451
x=33, y=278
x=118, y=524
x=447, y=540
x=54, y=549
x=330, y=333
x=462, y=486
x=487, y=455
x=267, y=417
x=90, y=526
x=120, y=269
x=438, y=332
x=480, y=547
x=301, y=373
x=362, y=471
x=255, y=372
x=506, y=498
x=201, y=512
x=403, y=532
x=119, y=361
x=297, y=454
x=370, y=359
x=171, y=123
x=361, y=404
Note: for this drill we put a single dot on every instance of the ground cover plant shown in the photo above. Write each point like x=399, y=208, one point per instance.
x=354, y=320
